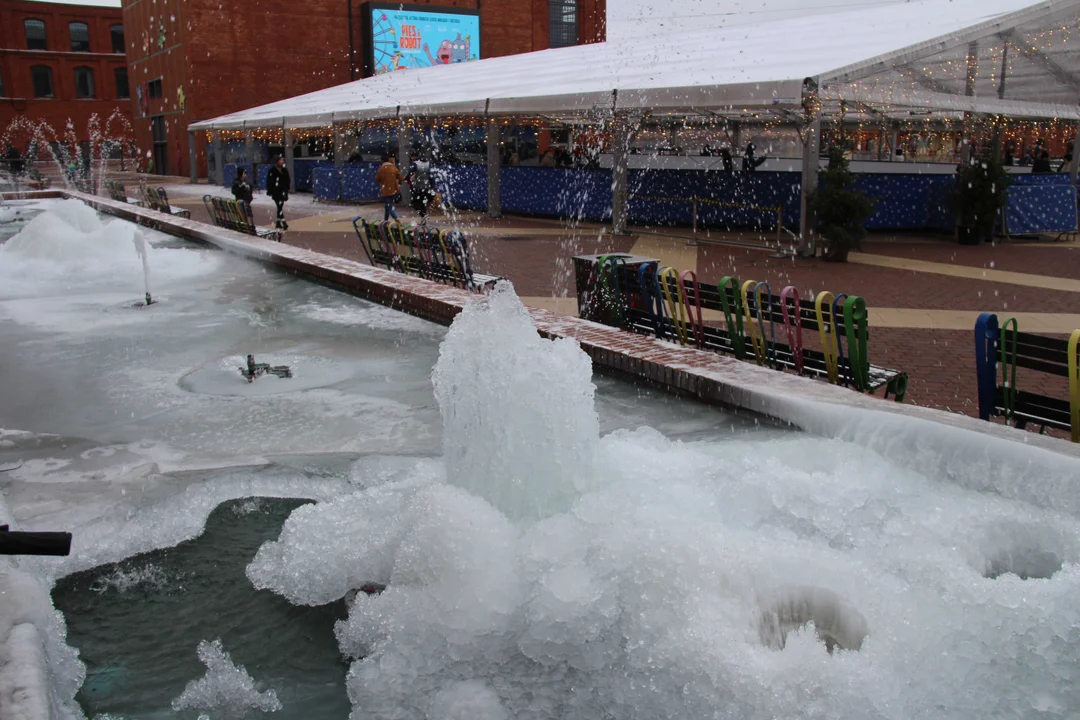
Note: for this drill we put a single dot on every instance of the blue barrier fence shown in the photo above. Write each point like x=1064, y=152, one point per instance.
x=1036, y=203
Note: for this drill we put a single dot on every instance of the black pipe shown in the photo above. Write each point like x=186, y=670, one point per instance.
x=34, y=543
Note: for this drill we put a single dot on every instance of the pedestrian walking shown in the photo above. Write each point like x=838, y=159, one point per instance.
x=389, y=178
x=277, y=187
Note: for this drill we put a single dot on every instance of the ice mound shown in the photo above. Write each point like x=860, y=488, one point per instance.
x=70, y=248
x=754, y=577
x=225, y=687
x=467, y=700
x=520, y=428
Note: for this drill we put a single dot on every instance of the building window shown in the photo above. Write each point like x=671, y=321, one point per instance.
x=116, y=32
x=154, y=88
x=562, y=23
x=35, y=35
x=42, y=77
x=84, y=83
x=122, y=90
x=80, y=37
x=2, y=93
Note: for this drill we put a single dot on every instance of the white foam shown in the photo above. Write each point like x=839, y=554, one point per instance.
x=69, y=249
x=519, y=425
x=226, y=687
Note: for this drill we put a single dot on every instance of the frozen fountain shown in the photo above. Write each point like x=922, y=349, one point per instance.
x=579, y=549
x=35, y=137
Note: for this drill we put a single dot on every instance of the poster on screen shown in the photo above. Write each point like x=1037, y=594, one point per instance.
x=401, y=37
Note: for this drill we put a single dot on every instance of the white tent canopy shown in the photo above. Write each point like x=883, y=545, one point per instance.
x=913, y=54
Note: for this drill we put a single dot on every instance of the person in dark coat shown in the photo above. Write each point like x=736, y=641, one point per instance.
x=750, y=161
x=277, y=187
x=241, y=188
x=1041, y=164
x=725, y=158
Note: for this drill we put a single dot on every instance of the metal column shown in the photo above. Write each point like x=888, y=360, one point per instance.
x=811, y=151
x=290, y=162
x=249, y=157
x=193, y=138
x=219, y=160
x=494, y=198
x=1074, y=166
x=969, y=91
x=403, y=150
x=620, y=153
x=339, y=159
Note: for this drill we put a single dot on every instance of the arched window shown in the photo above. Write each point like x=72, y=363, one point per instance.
x=35, y=35
x=116, y=32
x=122, y=89
x=42, y=79
x=80, y=36
x=84, y=83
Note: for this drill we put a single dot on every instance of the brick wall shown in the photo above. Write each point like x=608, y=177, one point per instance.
x=16, y=60
x=229, y=55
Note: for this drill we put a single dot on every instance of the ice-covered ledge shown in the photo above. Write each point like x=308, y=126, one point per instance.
x=706, y=376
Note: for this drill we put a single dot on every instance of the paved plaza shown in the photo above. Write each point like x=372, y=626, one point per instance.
x=923, y=291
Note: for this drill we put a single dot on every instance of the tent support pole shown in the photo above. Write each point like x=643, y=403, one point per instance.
x=192, y=139
x=620, y=152
x=290, y=161
x=339, y=158
x=1074, y=165
x=494, y=197
x=403, y=150
x=969, y=91
x=219, y=160
x=811, y=151
x=249, y=156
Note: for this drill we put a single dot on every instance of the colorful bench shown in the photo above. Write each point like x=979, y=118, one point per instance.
x=644, y=297
x=427, y=252
x=157, y=199
x=236, y=215
x=1000, y=348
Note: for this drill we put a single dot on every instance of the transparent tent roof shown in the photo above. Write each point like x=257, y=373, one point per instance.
x=1007, y=57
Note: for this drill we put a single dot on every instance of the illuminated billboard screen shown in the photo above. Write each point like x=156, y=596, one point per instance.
x=400, y=37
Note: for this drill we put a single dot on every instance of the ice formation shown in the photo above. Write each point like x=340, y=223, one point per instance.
x=748, y=578
x=225, y=687
x=69, y=246
x=519, y=426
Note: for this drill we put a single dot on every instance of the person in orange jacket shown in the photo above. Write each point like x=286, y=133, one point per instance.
x=389, y=178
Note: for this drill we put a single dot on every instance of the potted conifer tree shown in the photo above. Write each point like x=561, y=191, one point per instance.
x=978, y=197
x=840, y=210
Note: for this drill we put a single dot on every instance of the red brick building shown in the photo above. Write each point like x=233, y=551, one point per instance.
x=190, y=60
x=61, y=62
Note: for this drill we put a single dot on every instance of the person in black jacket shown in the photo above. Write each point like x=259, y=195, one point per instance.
x=241, y=188
x=277, y=187
x=750, y=161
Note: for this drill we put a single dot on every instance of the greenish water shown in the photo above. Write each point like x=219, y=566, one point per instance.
x=137, y=623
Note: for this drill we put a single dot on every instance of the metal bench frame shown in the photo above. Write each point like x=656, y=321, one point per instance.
x=1001, y=346
x=427, y=252
x=236, y=215
x=158, y=199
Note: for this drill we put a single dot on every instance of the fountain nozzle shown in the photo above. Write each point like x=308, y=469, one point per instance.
x=254, y=370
